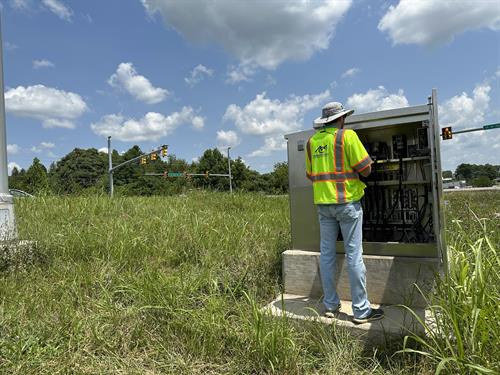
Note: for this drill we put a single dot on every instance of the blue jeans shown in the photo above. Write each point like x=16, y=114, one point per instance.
x=349, y=216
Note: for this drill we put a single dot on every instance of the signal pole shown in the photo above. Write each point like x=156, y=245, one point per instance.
x=7, y=217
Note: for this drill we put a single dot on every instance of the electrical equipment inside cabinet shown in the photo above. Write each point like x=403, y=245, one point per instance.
x=398, y=199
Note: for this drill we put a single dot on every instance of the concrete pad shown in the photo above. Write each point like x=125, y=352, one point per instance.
x=397, y=323
x=389, y=279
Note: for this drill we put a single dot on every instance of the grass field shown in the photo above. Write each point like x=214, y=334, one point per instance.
x=174, y=285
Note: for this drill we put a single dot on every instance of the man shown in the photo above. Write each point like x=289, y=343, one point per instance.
x=335, y=157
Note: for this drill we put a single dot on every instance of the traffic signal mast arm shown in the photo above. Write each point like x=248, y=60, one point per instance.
x=446, y=132
x=485, y=127
x=138, y=157
x=181, y=174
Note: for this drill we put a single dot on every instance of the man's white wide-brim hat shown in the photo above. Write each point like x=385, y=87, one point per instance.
x=330, y=112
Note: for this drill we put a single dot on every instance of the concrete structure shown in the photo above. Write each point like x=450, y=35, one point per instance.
x=391, y=280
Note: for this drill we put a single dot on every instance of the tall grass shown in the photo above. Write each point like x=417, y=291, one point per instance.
x=175, y=285
x=464, y=333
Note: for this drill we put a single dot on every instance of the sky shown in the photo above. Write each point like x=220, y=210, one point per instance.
x=241, y=73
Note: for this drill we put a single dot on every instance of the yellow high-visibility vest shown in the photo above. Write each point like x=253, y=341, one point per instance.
x=334, y=158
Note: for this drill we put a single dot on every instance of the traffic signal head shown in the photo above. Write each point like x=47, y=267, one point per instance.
x=153, y=156
x=446, y=133
x=164, y=151
x=143, y=160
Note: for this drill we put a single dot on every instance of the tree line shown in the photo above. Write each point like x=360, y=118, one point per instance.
x=85, y=171
x=478, y=175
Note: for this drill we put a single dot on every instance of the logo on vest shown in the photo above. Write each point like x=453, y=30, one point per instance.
x=321, y=149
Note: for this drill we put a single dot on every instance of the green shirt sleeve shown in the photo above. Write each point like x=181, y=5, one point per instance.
x=356, y=153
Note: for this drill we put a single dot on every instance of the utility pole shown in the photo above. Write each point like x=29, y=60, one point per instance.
x=230, y=178
x=7, y=217
x=110, y=169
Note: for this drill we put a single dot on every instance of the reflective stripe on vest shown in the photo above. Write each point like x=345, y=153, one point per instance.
x=333, y=176
x=339, y=165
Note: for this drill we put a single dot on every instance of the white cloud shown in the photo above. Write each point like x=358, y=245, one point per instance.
x=47, y=145
x=103, y=149
x=87, y=17
x=263, y=116
x=11, y=166
x=227, y=139
x=241, y=73
x=273, y=118
x=59, y=9
x=138, y=86
x=55, y=108
x=151, y=127
x=271, y=144
x=378, y=99
x=43, y=146
x=350, y=72
x=13, y=149
x=37, y=64
x=436, y=21
x=197, y=75
x=466, y=111
x=20, y=4
x=262, y=33
x=270, y=81
x=198, y=122
x=463, y=111
x=10, y=46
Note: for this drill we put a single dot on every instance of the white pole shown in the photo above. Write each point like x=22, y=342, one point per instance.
x=110, y=163
x=7, y=218
x=230, y=178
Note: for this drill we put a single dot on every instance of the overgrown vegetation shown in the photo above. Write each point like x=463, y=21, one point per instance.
x=465, y=334
x=174, y=285
x=84, y=172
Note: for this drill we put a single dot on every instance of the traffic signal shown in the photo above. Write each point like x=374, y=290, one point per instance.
x=446, y=133
x=164, y=151
x=206, y=174
x=153, y=156
x=144, y=160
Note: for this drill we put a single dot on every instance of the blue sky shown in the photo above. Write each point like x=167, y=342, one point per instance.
x=199, y=74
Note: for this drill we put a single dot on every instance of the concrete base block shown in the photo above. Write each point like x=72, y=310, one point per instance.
x=389, y=279
x=397, y=323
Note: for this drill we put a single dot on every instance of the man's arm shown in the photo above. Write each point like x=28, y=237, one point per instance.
x=308, y=160
x=359, y=159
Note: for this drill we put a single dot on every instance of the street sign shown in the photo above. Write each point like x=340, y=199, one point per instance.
x=175, y=174
x=491, y=126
